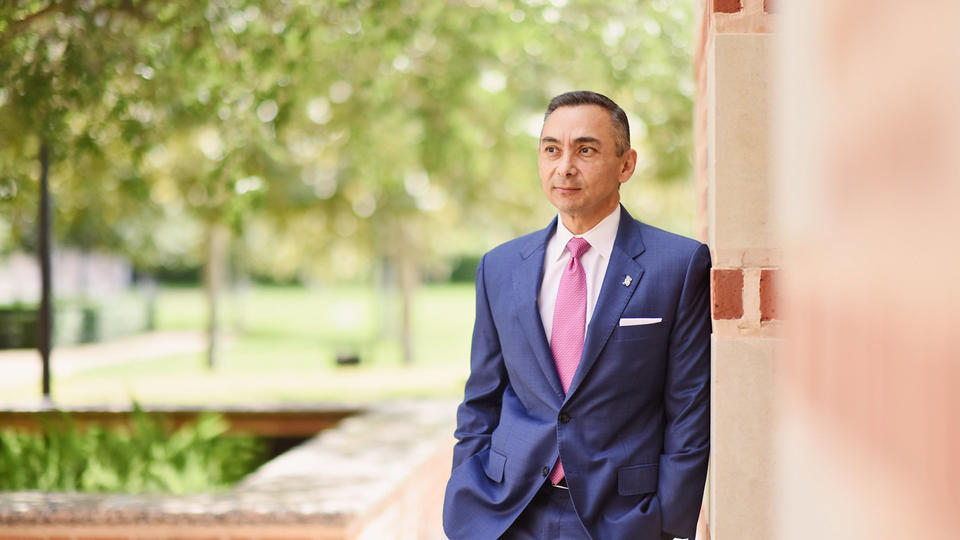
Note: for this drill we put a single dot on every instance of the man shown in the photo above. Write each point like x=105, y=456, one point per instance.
x=586, y=413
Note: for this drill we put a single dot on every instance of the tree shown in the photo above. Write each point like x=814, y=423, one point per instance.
x=340, y=133
x=50, y=72
x=432, y=114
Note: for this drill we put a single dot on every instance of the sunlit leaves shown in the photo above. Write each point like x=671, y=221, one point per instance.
x=369, y=127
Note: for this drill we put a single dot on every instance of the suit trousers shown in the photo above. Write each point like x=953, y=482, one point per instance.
x=550, y=515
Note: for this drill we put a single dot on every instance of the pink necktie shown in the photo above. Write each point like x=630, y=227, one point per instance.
x=569, y=320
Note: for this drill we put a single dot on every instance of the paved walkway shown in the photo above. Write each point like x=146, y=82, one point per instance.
x=22, y=366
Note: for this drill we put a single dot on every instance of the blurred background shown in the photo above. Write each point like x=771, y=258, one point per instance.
x=291, y=197
x=282, y=204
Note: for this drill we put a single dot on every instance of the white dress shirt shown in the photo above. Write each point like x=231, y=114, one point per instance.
x=594, y=261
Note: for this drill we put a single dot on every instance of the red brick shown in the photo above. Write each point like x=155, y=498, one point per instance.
x=768, y=294
x=727, y=6
x=726, y=291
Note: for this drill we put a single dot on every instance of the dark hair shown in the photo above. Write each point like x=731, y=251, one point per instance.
x=586, y=97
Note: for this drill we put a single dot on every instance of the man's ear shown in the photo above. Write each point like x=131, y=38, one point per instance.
x=629, y=164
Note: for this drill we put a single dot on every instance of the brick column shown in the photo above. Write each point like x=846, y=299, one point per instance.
x=733, y=178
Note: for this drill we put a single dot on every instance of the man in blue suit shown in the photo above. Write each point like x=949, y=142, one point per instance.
x=586, y=412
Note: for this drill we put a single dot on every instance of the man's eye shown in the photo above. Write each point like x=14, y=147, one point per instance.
x=550, y=149
x=586, y=150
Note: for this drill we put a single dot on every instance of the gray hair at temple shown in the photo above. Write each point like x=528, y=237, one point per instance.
x=585, y=97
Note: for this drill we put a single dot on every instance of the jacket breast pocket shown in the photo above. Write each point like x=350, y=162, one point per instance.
x=638, y=479
x=493, y=467
x=639, y=332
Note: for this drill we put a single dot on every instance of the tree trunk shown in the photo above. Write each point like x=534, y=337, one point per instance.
x=45, y=321
x=240, y=287
x=214, y=270
x=408, y=278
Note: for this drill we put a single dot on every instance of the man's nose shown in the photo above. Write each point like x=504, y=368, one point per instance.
x=566, y=165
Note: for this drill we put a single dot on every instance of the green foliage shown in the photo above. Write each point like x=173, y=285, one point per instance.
x=328, y=136
x=144, y=458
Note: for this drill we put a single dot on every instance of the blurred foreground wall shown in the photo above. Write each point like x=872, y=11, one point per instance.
x=868, y=195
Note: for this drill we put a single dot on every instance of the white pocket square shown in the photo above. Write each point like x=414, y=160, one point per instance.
x=637, y=321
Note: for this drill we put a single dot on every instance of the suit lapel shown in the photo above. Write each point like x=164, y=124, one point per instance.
x=614, y=295
x=526, y=282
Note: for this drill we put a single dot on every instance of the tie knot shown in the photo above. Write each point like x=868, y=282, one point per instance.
x=577, y=247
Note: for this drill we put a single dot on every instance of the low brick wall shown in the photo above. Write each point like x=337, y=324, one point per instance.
x=378, y=475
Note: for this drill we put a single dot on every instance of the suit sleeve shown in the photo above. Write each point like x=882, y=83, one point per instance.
x=686, y=443
x=479, y=414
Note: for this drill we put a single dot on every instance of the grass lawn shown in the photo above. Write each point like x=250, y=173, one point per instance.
x=282, y=346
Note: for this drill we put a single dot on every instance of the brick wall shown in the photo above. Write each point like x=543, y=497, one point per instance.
x=734, y=174
x=747, y=296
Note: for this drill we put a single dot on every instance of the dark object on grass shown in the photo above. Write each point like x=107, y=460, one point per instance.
x=348, y=359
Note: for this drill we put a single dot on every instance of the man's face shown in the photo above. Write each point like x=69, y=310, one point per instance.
x=580, y=171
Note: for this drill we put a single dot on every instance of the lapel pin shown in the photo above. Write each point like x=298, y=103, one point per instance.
x=626, y=281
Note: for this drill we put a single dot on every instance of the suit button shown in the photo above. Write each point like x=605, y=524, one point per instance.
x=545, y=471
x=564, y=418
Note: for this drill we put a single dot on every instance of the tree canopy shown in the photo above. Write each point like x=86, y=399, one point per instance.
x=322, y=134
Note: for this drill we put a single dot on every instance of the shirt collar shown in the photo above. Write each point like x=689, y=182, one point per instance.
x=601, y=237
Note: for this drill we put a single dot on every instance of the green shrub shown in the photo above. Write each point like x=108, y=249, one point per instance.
x=146, y=457
x=18, y=326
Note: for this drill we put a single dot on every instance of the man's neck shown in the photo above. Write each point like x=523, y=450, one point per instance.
x=581, y=224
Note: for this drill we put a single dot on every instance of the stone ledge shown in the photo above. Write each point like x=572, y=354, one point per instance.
x=341, y=478
x=301, y=420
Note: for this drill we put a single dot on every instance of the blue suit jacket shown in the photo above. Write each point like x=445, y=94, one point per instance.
x=636, y=438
